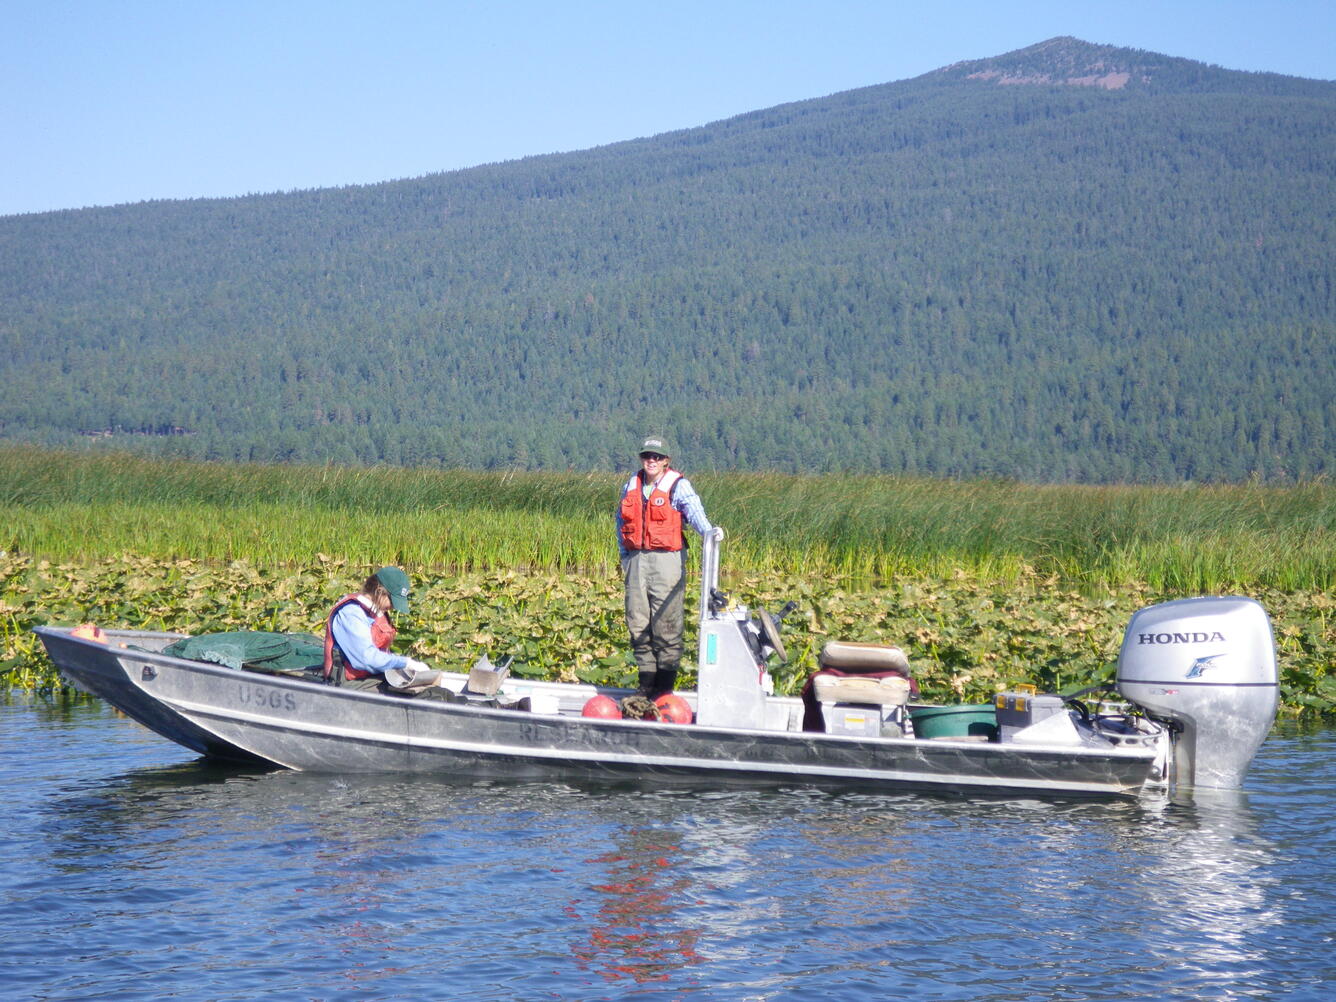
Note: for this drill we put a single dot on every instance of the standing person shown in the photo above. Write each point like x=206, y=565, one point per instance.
x=655, y=502
x=358, y=631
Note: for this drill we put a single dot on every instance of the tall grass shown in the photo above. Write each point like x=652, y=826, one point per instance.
x=866, y=529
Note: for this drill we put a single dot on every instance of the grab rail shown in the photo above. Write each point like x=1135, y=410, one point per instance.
x=709, y=569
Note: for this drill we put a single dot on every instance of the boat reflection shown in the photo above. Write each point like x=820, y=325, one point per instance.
x=636, y=930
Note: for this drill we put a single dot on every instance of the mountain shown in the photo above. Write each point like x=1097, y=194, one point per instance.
x=1068, y=263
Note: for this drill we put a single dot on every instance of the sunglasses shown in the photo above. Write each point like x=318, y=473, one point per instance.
x=653, y=456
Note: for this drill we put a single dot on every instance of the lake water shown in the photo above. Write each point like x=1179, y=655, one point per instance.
x=130, y=870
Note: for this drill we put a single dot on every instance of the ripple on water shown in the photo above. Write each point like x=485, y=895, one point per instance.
x=127, y=863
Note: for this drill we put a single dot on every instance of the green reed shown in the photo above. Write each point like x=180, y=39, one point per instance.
x=867, y=530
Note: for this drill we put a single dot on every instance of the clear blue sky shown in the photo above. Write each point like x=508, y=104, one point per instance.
x=111, y=101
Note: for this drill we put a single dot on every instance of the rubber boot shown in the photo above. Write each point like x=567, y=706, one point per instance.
x=646, y=687
x=664, y=680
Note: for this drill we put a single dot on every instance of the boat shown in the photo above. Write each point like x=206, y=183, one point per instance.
x=1197, y=692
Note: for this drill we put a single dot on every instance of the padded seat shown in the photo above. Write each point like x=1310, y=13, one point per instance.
x=859, y=674
x=889, y=691
x=862, y=659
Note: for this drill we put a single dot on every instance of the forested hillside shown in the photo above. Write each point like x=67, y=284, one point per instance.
x=1069, y=263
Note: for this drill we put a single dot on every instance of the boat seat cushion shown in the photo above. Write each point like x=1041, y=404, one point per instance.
x=862, y=659
x=890, y=690
x=814, y=719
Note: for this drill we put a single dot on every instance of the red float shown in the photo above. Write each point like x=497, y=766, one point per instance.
x=673, y=709
x=602, y=708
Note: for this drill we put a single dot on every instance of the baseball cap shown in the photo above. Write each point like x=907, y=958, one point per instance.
x=396, y=583
x=655, y=443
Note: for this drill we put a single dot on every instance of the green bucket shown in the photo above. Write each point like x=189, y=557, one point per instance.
x=955, y=721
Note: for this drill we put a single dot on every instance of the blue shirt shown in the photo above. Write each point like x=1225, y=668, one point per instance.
x=351, y=627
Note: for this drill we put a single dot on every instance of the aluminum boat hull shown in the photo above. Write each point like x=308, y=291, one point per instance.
x=249, y=716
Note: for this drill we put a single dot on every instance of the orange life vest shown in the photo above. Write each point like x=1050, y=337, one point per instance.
x=382, y=635
x=651, y=523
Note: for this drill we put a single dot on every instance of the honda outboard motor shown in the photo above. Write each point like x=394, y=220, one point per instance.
x=1207, y=666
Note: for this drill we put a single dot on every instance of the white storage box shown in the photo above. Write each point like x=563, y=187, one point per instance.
x=1022, y=708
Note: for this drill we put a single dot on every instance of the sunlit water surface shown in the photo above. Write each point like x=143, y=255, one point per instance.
x=131, y=870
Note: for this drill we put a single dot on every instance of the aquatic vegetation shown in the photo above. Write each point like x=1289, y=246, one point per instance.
x=965, y=637
x=983, y=583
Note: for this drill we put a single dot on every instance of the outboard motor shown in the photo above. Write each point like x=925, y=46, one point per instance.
x=1206, y=666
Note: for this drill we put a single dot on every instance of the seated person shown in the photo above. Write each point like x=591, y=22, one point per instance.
x=358, y=633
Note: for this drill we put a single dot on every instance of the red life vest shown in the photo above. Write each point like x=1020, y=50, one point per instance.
x=382, y=635
x=651, y=523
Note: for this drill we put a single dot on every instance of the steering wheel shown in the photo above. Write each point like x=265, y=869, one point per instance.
x=770, y=627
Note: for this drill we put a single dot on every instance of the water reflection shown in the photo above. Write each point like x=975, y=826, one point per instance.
x=373, y=869
x=223, y=882
x=637, y=930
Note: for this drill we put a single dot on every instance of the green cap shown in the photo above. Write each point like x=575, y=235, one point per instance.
x=655, y=443
x=396, y=583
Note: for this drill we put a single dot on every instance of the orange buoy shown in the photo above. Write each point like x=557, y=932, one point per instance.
x=90, y=631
